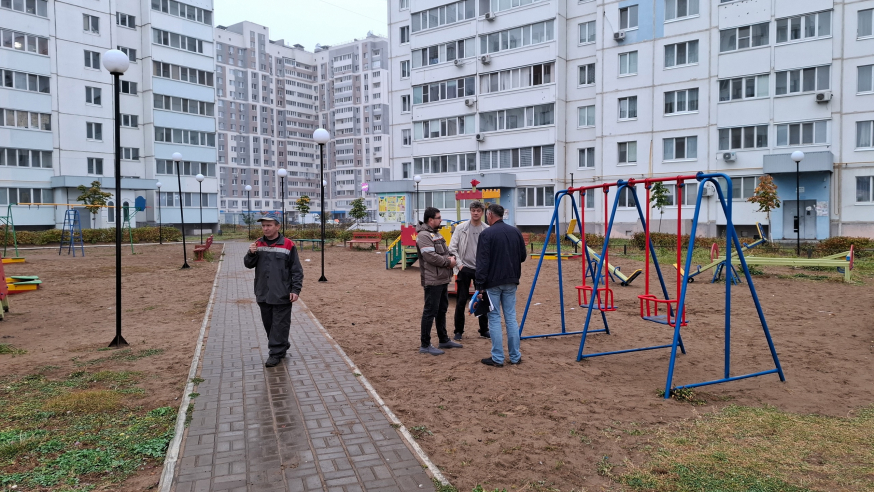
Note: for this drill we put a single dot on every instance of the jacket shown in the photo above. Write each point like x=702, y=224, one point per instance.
x=433, y=256
x=460, y=242
x=499, y=257
x=278, y=272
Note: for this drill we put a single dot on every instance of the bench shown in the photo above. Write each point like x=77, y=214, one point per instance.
x=304, y=241
x=200, y=249
x=365, y=238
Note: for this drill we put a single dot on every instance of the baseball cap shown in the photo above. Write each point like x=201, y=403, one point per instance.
x=270, y=216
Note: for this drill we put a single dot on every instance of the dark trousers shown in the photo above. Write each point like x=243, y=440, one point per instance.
x=462, y=297
x=436, y=305
x=277, y=324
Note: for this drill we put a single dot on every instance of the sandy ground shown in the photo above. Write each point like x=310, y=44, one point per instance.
x=548, y=421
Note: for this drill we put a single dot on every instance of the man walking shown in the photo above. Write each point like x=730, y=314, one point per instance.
x=499, y=258
x=435, y=266
x=278, y=280
x=463, y=248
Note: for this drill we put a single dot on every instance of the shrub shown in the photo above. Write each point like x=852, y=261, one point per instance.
x=665, y=240
x=93, y=236
x=839, y=244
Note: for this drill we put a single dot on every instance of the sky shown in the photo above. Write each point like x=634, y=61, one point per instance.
x=307, y=22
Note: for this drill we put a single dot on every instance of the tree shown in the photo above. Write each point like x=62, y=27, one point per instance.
x=94, y=198
x=765, y=196
x=359, y=209
x=659, y=198
x=302, y=205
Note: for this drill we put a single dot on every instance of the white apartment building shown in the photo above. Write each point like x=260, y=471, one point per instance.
x=57, y=99
x=529, y=96
x=272, y=96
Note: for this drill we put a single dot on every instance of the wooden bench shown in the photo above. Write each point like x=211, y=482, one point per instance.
x=365, y=238
x=200, y=249
x=304, y=241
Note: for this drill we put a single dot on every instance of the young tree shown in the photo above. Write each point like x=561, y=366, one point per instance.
x=765, y=196
x=359, y=209
x=659, y=198
x=302, y=205
x=94, y=199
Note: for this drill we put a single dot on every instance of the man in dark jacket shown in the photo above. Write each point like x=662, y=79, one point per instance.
x=278, y=280
x=435, y=266
x=499, y=257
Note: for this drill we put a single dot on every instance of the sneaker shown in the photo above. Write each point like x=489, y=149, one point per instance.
x=430, y=349
x=485, y=335
x=272, y=361
x=491, y=362
x=457, y=337
x=448, y=344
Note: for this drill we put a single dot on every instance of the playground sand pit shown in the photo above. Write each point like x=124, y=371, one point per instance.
x=552, y=423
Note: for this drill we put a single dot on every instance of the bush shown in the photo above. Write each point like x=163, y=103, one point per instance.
x=93, y=236
x=665, y=240
x=839, y=244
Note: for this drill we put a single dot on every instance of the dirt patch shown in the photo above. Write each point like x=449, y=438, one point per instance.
x=554, y=423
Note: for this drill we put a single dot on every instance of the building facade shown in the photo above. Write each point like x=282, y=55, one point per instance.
x=530, y=96
x=58, y=122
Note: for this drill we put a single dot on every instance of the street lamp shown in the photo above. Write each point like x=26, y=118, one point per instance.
x=321, y=136
x=176, y=158
x=282, y=173
x=797, y=156
x=199, y=179
x=248, y=188
x=417, y=179
x=117, y=63
x=160, y=236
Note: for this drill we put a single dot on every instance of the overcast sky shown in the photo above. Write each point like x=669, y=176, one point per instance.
x=307, y=22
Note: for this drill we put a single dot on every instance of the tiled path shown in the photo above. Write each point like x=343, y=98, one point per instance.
x=307, y=424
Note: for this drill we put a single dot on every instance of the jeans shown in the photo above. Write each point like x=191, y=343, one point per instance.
x=462, y=297
x=277, y=324
x=436, y=305
x=503, y=297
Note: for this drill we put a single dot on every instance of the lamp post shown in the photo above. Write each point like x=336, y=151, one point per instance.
x=321, y=136
x=417, y=179
x=160, y=236
x=199, y=178
x=176, y=158
x=248, y=188
x=117, y=63
x=282, y=173
x=798, y=156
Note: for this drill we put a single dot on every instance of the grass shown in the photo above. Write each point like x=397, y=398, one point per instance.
x=6, y=349
x=761, y=450
x=124, y=355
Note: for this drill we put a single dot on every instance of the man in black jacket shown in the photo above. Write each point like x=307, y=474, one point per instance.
x=499, y=257
x=278, y=280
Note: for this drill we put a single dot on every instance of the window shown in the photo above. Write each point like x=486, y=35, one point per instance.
x=510, y=119
x=685, y=101
x=587, y=32
x=178, y=41
x=680, y=148
x=864, y=138
x=185, y=74
x=92, y=59
x=627, y=152
x=125, y=20
x=94, y=131
x=25, y=119
x=538, y=196
x=442, y=53
x=130, y=154
x=441, y=16
x=587, y=158
x=25, y=158
x=188, y=137
x=680, y=54
x=405, y=34
x=865, y=23
x=518, y=37
x=182, y=10
x=24, y=42
x=188, y=168
x=586, y=116
x=802, y=80
x=406, y=138
x=864, y=188
x=38, y=7
x=743, y=88
x=95, y=165
x=444, y=127
x=628, y=63
x=742, y=187
x=587, y=74
x=739, y=38
x=405, y=69
x=516, y=78
x=403, y=4
x=92, y=95
x=678, y=9
x=449, y=89
x=627, y=108
x=626, y=197
x=130, y=120
x=746, y=137
x=437, y=164
x=91, y=24
x=809, y=133
x=522, y=157
x=128, y=87
x=130, y=52
x=24, y=81
x=865, y=79
x=804, y=27
x=183, y=105
x=628, y=17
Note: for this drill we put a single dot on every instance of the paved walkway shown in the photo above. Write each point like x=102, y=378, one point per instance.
x=307, y=424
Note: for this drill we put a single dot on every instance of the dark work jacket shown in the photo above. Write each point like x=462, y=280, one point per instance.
x=278, y=272
x=499, y=256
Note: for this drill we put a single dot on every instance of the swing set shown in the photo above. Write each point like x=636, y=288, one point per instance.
x=652, y=308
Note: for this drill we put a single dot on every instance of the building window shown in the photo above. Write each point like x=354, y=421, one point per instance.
x=94, y=131
x=537, y=196
x=445, y=127
x=628, y=17
x=865, y=23
x=405, y=34
x=178, y=41
x=587, y=158
x=24, y=42
x=91, y=24
x=187, y=137
x=516, y=78
x=680, y=148
x=680, y=54
x=739, y=38
x=746, y=137
x=864, y=138
x=678, y=9
x=184, y=74
x=864, y=189
x=125, y=20
x=128, y=87
x=92, y=59
x=25, y=158
x=405, y=104
x=441, y=16
x=95, y=165
x=804, y=27
x=628, y=63
x=522, y=157
x=809, y=133
x=39, y=7
x=442, y=53
x=406, y=138
x=540, y=32
x=185, y=11
x=587, y=32
x=26, y=119
x=437, y=164
x=130, y=52
x=438, y=91
x=130, y=120
x=510, y=119
x=743, y=88
x=129, y=153
x=24, y=81
x=587, y=74
x=405, y=69
x=586, y=116
x=865, y=79
x=183, y=105
x=403, y=4
x=803, y=80
x=627, y=152
x=685, y=101
x=628, y=108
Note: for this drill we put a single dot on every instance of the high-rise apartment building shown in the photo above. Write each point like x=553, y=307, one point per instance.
x=529, y=96
x=56, y=131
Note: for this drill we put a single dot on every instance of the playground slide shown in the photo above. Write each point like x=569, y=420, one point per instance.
x=612, y=269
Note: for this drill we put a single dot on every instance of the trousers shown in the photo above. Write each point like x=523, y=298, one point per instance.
x=277, y=324
x=462, y=297
x=436, y=305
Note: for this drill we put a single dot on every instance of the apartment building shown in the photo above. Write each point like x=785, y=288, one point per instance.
x=530, y=96
x=272, y=96
x=57, y=128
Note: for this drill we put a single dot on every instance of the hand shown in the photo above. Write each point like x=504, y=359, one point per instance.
x=452, y=262
x=293, y=297
x=253, y=248
x=480, y=296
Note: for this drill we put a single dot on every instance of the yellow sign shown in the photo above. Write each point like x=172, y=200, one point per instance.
x=393, y=208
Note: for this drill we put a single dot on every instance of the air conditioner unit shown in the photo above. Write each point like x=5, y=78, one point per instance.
x=729, y=156
x=469, y=102
x=619, y=36
x=458, y=62
x=486, y=59
x=480, y=137
x=709, y=189
x=490, y=16
x=824, y=96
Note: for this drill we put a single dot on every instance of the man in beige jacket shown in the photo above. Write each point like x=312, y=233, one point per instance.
x=435, y=267
x=463, y=247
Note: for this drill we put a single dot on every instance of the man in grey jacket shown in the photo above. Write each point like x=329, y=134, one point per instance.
x=463, y=247
x=278, y=280
x=435, y=267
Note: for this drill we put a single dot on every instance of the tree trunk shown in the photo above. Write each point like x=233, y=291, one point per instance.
x=661, y=214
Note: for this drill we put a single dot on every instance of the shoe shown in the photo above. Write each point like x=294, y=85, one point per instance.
x=516, y=363
x=430, y=349
x=457, y=337
x=272, y=361
x=448, y=344
x=485, y=335
x=491, y=362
